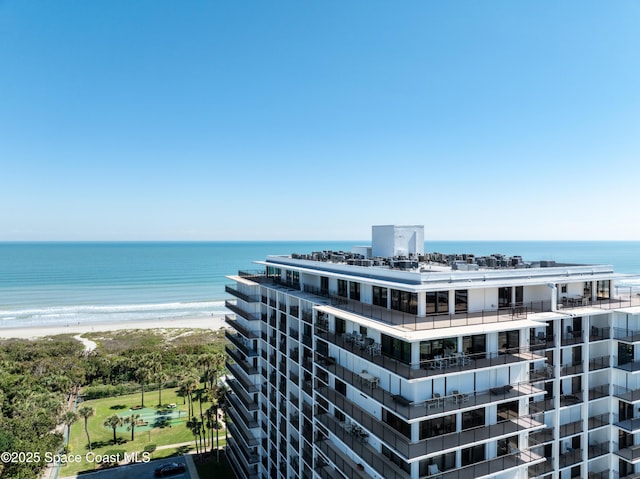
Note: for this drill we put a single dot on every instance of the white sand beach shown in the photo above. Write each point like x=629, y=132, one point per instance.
x=214, y=322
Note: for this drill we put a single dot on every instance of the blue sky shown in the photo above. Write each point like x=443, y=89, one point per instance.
x=217, y=120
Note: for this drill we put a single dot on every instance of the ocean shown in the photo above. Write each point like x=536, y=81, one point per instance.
x=48, y=284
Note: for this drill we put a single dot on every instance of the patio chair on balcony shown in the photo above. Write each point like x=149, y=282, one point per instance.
x=433, y=470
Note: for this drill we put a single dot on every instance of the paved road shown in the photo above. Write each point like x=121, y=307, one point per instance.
x=140, y=470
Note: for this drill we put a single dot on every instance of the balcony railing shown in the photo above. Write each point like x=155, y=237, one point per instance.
x=446, y=402
x=631, y=425
x=241, y=312
x=492, y=467
x=626, y=335
x=248, y=298
x=570, y=458
x=602, y=362
x=431, y=321
x=410, y=450
x=630, y=365
x=596, y=450
x=434, y=367
x=233, y=322
x=629, y=453
x=341, y=460
x=574, y=337
x=371, y=456
x=571, y=368
x=626, y=394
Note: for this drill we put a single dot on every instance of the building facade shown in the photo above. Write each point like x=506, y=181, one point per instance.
x=432, y=366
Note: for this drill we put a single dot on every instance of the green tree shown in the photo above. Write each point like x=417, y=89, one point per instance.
x=143, y=376
x=161, y=378
x=114, y=421
x=85, y=412
x=68, y=418
x=132, y=421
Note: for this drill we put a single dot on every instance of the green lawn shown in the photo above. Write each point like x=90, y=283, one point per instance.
x=175, y=431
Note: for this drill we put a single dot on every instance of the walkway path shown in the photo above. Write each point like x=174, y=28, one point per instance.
x=89, y=345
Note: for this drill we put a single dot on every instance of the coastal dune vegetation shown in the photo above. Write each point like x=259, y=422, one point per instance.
x=162, y=386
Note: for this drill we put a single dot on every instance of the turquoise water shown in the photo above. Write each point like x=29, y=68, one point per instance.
x=69, y=283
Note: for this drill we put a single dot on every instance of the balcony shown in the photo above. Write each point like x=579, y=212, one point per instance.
x=599, y=421
x=571, y=399
x=344, y=464
x=249, y=455
x=541, y=468
x=630, y=425
x=602, y=362
x=247, y=298
x=626, y=335
x=491, y=467
x=233, y=322
x=371, y=456
x=241, y=312
x=597, y=450
x=574, y=337
x=240, y=343
x=248, y=368
x=568, y=369
x=599, y=334
x=412, y=450
x=238, y=412
x=629, y=365
x=241, y=469
x=340, y=305
x=629, y=453
x=598, y=392
x=543, y=436
x=247, y=401
x=413, y=410
x=570, y=428
x=537, y=407
x=626, y=394
x=434, y=367
x=249, y=387
x=570, y=457
x=240, y=433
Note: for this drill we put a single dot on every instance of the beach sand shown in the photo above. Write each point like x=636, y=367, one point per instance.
x=214, y=323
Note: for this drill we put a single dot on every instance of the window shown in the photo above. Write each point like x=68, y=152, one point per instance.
x=471, y=419
x=341, y=387
x=396, y=348
x=472, y=455
x=602, y=289
x=462, y=300
x=404, y=301
x=474, y=344
x=324, y=284
x=341, y=325
x=354, y=291
x=438, y=426
x=563, y=288
x=397, y=423
x=504, y=297
x=380, y=296
x=437, y=302
x=342, y=288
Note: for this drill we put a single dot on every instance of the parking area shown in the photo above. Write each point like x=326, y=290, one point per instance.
x=139, y=470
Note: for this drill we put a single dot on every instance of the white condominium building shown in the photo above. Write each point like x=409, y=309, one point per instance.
x=428, y=365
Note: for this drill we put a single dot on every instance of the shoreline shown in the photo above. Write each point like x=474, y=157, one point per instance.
x=214, y=323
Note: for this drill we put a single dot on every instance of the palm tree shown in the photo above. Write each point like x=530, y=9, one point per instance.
x=210, y=415
x=194, y=425
x=114, y=421
x=133, y=422
x=86, y=412
x=217, y=365
x=143, y=375
x=161, y=378
x=69, y=418
x=218, y=397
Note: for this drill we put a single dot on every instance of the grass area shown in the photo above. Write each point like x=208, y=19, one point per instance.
x=102, y=437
